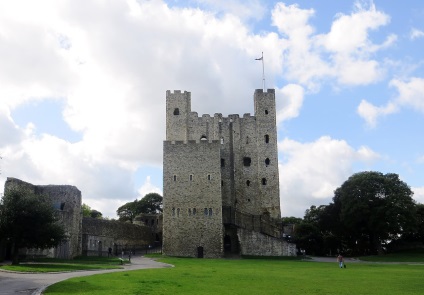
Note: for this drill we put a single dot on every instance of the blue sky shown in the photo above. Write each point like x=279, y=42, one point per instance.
x=83, y=83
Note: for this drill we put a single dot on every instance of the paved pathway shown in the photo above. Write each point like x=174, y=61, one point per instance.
x=332, y=259
x=35, y=283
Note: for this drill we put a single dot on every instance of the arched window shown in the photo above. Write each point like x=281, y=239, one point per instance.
x=263, y=181
x=173, y=211
x=203, y=137
x=266, y=112
x=189, y=211
x=194, y=211
x=248, y=182
x=175, y=177
x=267, y=161
x=266, y=138
x=176, y=111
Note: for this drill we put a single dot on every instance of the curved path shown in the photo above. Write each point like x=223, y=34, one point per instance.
x=35, y=283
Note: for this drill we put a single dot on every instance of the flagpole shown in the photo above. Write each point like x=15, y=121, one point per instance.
x=263, y=70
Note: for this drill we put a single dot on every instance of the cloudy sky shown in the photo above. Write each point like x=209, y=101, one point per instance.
x=82, y=89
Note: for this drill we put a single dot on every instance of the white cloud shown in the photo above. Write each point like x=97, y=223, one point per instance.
x=148, y=187
x=418, y=194
x=289, y=102
x=371, y=113
x=349, y=33
x=302, y=62
x=310, y=172
x=112, y=71
x=410, y=95
x=111, y=63
x=244, y=9
x=349, y=42
x=344, y=53
x=415, y=34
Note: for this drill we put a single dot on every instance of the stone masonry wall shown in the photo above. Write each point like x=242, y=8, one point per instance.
x=256, y=244
x=192, y=215
x=67, y=201
x=246, y=159
x=99, y=235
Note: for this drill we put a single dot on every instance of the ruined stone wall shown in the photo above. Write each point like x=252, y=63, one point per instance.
x=154, y=222
x=99, y=235
x=192, y=203
x=256, y=244
x=67, y=201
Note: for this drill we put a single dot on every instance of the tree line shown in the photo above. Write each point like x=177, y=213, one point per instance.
x=370, y=213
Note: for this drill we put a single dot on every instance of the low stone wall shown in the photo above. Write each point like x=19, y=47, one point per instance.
x=99, y=236
x=257, y=244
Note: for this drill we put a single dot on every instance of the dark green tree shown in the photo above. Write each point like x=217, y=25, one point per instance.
x=28, y=221
x=150, y=204
x=96, y=214
x=315, y=234
x=291, y=220
x=128, y=211
x=374, y=208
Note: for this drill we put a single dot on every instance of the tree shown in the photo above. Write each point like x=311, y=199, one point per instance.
x=86, y=210
x=291, y=220
x=151, y=203
x=374, y=208
x=96, y=214
x=128, y=211
x=28, y=220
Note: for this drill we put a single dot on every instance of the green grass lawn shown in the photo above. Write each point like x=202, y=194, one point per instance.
x=252, y=276
x=412, y=255
x=58, y=265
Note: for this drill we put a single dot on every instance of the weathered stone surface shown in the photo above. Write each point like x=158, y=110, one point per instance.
x=216, y=163
x=67, y=201
x=256, y=244
x=99, y=235
x=86, y=236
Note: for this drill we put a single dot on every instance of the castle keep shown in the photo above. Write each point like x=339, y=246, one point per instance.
x=220, y=178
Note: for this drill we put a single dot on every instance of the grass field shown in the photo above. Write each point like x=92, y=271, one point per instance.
x=252, y=276
x=412, y=255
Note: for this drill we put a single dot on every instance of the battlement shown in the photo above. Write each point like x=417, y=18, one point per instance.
x=168, y=92
x=189, y=142
x=262, y=91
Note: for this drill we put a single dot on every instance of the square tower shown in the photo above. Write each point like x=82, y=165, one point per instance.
x=220, y=174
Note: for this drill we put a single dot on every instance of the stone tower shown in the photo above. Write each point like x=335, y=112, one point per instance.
x=220, y=178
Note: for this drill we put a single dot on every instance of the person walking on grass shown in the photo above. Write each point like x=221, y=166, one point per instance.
x=340, y=260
